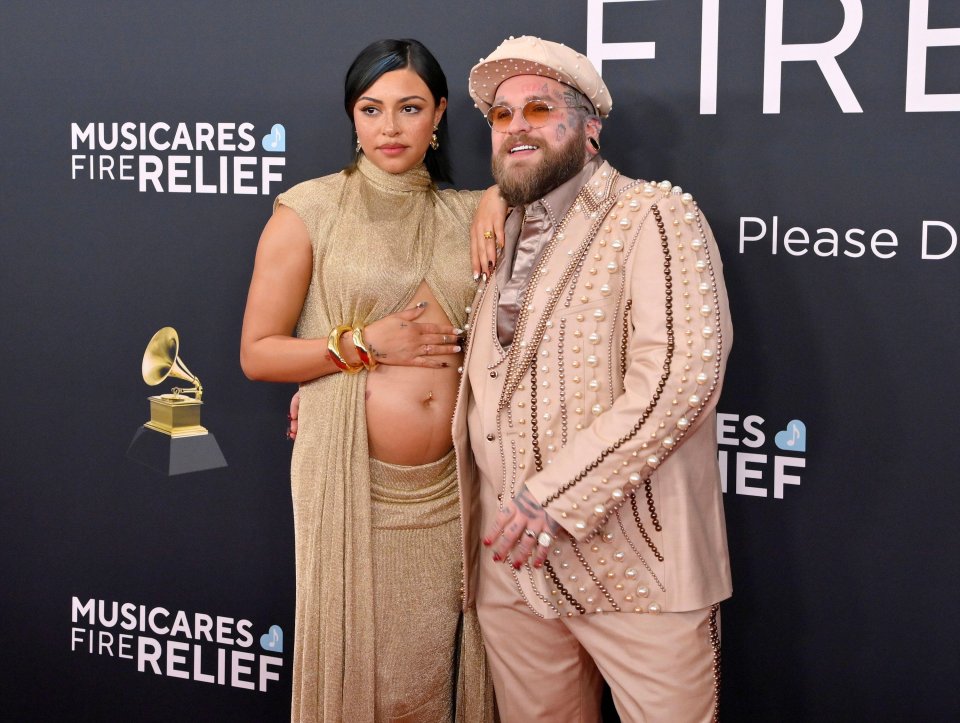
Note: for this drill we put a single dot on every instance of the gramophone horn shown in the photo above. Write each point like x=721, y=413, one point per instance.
x=162, y=360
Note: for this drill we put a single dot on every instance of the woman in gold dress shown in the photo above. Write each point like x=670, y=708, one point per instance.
x=359, y=290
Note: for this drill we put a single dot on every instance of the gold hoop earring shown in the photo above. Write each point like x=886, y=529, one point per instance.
x=434, y=142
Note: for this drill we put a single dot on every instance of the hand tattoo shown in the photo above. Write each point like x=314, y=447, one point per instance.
x=526, y=504
x=529, y=507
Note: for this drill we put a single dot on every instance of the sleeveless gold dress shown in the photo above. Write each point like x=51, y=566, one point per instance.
x=379, y=632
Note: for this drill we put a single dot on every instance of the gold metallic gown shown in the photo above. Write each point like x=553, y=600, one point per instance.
x=377, y=626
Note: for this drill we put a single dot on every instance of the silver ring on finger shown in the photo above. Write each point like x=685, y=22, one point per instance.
x=444, y=338
x=530, y=533
x=545, y=539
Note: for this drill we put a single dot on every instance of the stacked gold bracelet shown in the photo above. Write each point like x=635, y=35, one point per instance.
x=333, y=350
x=363, y=351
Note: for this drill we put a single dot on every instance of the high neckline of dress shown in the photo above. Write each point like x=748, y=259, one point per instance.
x=416, y=179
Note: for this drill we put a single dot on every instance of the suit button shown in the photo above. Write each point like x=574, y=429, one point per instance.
x=493, y=375
x=490, y=437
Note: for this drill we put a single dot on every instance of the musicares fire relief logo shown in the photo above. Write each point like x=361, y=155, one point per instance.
x=192, y=646
x=765, y=471
x=159, y=157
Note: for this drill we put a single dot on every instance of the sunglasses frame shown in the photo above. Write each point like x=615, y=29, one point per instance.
x=523, y=113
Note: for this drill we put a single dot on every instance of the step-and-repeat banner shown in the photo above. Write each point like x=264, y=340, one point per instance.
x=148, y=567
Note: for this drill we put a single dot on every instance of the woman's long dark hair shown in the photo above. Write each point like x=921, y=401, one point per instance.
x=383, y=56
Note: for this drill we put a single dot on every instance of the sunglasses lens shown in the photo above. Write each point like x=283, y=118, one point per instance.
x=499, y=117
x=537, y=113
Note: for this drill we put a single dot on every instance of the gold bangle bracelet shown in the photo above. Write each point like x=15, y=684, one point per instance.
x=363, y=351
x=333, y=350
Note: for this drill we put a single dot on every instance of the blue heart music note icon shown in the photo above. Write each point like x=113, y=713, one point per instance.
x=793, y=438
x=276, y=140
x=272, y=640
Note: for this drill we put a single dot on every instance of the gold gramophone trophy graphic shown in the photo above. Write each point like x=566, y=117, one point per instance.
x=173, y=441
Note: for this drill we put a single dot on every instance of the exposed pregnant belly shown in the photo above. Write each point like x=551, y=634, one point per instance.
x=409, y=409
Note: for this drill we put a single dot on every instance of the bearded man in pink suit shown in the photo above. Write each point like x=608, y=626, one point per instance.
x=585, y=427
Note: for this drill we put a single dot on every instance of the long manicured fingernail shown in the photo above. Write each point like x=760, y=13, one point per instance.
x=456, y=349
x=476, y=276
x=458, y=332
x=421, y=304
x=486, y=541
x=496, y=557
x=484, y=277
x=517, y=564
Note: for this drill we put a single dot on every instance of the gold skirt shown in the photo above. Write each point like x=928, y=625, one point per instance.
x=429, y=656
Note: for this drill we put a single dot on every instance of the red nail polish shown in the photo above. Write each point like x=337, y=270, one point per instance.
x=289, y=416
x=496, y=557
x=486, y=542
x=517, y=565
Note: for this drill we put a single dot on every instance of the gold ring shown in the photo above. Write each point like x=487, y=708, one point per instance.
x=488, y=235
x=530, y=533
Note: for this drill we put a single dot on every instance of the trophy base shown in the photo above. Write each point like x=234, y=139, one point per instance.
x=175, y=455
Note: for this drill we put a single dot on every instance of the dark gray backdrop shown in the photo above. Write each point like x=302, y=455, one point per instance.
x=845, y=571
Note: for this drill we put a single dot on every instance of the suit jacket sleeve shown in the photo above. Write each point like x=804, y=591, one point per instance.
x=676, y=316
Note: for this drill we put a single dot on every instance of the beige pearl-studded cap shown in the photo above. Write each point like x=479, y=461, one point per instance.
x=528, y=55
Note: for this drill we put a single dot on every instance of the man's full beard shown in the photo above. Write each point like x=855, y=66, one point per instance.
x=520, y=186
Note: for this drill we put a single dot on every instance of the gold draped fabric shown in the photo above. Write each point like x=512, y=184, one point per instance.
x=375, y=237
x=417, y=509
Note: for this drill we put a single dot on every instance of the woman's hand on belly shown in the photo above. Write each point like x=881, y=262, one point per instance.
x=410, y=408
x=410, y=338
